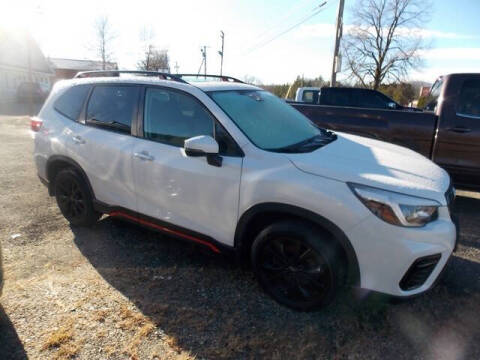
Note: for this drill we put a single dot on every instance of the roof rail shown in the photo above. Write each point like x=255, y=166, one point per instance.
x=221, y=77
x=116, y=73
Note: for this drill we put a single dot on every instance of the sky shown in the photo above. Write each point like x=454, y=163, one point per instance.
x=253, y=46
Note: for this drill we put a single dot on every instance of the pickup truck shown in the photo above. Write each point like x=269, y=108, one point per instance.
x=447, y=131
x=347, y=96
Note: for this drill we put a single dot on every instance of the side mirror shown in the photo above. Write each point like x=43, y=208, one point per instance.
x=203, y=146
x=392, y=105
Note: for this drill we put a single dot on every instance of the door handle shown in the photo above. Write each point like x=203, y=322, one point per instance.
x=144, y=156
x=459, y=129
x=78, y=139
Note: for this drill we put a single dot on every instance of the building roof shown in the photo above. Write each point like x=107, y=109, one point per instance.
x=80, y=65
x=15, y=47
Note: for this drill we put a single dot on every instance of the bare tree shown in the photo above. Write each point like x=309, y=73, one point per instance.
x=155, y=60
x=104, y=36
x=385, y=40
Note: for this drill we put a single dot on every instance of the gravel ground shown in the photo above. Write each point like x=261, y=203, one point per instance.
x=117, y=291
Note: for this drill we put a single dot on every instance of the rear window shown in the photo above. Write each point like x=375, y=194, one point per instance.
x=310, y=96
x=70, y=104
x=469, y=101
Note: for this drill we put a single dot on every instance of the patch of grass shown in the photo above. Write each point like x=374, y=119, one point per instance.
x=59, y=337
x=130, y=320
x=63, y=340
x=67, y=351
x=134, y=321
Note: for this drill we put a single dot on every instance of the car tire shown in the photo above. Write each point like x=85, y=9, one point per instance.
x=75, y=199
x=296, y=263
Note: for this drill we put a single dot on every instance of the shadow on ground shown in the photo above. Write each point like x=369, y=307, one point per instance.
x=10, y=345
x=215, y=309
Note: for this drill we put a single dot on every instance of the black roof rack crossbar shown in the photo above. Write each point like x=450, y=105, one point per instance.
x=221, y=77
x=112, y=73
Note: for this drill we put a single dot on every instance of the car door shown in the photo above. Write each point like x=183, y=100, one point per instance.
x=102, y=143
x=458, y=147
x=176, y=189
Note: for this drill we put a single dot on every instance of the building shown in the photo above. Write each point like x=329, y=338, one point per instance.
x=68, y=68
x=21, y=61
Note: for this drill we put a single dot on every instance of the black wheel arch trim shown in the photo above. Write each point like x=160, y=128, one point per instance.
x=61, y=158
x=252, y=212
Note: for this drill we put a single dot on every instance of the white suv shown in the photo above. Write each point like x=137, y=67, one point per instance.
x=235, y=169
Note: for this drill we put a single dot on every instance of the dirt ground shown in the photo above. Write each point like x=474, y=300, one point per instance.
x=117, y=291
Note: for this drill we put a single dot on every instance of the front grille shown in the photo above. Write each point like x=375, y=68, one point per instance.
x=419, y=272
x=450, y=196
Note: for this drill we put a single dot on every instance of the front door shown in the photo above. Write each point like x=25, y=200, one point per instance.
x=177, y=189
x=458, y=148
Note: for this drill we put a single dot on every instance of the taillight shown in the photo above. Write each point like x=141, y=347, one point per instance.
x=35, y=124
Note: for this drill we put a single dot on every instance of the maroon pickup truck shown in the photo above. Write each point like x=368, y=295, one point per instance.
x=447, y=131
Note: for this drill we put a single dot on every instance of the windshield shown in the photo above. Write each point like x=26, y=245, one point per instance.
x=270, y=123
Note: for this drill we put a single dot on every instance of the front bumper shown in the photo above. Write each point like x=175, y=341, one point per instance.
x=385, y=252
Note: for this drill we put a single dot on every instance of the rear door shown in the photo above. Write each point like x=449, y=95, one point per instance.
x=458, y=144
x=102, y=143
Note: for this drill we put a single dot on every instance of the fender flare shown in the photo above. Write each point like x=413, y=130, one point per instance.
x=65, y=159
x=252, y=212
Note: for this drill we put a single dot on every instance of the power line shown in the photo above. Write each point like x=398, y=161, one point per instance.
x=293, y=9
x=317, y=11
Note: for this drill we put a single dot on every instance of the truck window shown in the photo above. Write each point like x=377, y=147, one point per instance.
x=434, y=94
x=369, y=99
x=310, y=96
x=469, y=100
x=335, y=97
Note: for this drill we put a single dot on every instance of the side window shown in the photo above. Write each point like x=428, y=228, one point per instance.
x=432, y=98
x=369, y=99
x=70, y=103
x=469, y=100
x=226, y=145
x=335, y=97
x=170, y=117
x=113, y=106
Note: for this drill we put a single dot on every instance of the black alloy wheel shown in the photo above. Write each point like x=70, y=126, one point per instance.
x=70, y=199
x=74, y=199
x=294, y=264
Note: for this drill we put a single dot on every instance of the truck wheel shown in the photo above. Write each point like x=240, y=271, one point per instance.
x=74, y=198
x=296, y=264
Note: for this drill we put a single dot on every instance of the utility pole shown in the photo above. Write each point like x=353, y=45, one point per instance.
x=203, y=50
x=338, y=37
x=176, y=67
x=222, y=35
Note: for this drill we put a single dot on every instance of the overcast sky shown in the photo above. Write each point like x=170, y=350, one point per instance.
x=66, y=29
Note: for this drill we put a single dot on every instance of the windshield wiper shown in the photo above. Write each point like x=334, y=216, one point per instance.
x=310, y=144
x=111, y=124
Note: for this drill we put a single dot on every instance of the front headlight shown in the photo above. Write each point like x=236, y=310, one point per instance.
x=396, y=208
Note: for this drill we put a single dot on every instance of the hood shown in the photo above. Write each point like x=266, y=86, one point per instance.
x=375, y=163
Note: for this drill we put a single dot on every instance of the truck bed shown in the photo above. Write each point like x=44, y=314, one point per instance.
x=414, y=130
